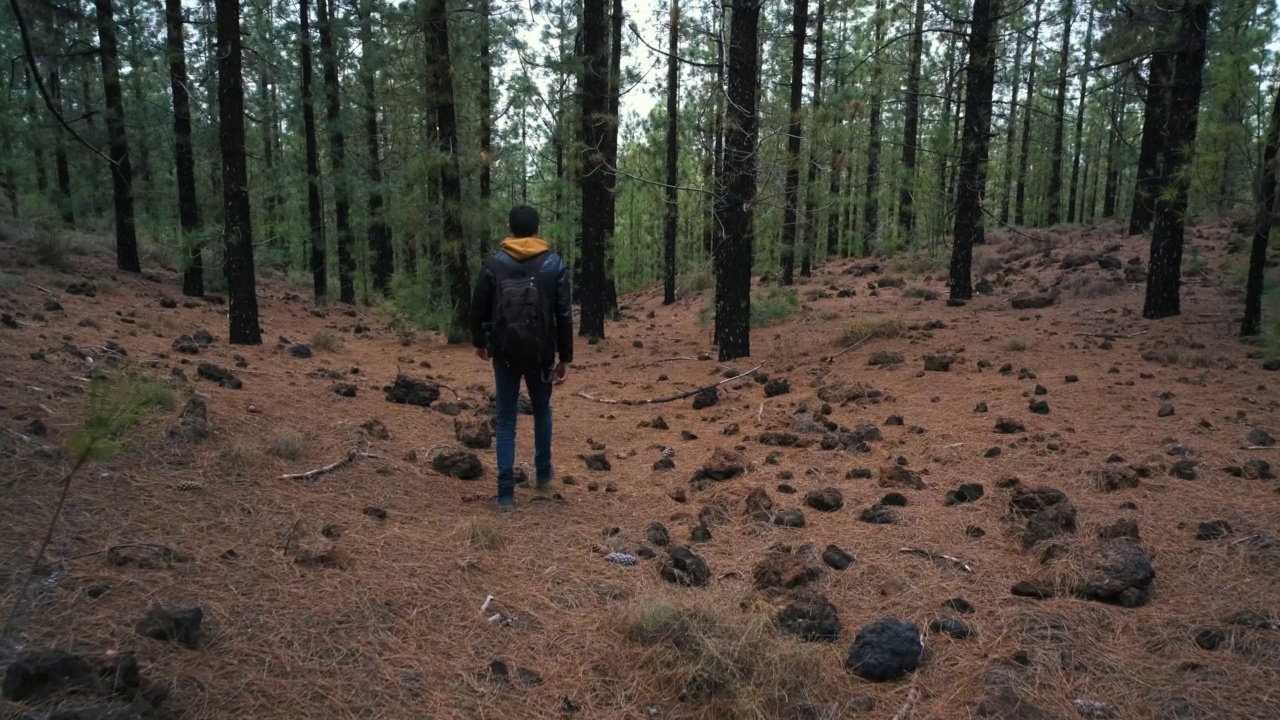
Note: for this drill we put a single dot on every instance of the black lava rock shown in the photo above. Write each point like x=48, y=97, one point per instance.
x=885, y=650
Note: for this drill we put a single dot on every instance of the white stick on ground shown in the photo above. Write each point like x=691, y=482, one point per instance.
x=313, y=474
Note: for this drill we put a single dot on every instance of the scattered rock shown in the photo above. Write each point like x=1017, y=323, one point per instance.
x=836, y=558
x=300, y=350
x=959, y=605
x=84, y=289
x=375, y=429
x=685, y=567
x=1260, y=438
x=992, y=452
x=597, y=462
x=783, y=570
x=894, y=499
x=896, y=476
x=1166, y=410
x=938, y=362
x=894, y=420
x=657, y=534
x=376, y=513
x=723, y=465
x=193, y=423
x=1028, y=589
x=1033, y=301
x=810, y=617
x=659, y=423
x=346, y=390
x=827, y=499
x=1048, y=512
x=458, y=464
x=1039, y=407
x=776, y=387
x=41, y=674
x=878, y=515
x=705, y=399
x=186, y=345
x=881, y=357
x=885, y=650
x=220, y=375
x=759, y=505
x=790, y=518
x=1122, y=575
x=1184, y=470
x=180, y=626
x=980, y=408
x=1213, y=530
x=954, y=627
x=1123, y=528
x=779, y=439
x=700, y=533
x=966, y=493
x=409, y=391
x=1009, y=426
x=1114, y=477
x=476, y=434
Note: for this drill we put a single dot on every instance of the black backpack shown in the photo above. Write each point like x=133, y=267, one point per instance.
x=522, y=331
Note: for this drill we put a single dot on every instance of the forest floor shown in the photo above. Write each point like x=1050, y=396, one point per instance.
x=385, y=588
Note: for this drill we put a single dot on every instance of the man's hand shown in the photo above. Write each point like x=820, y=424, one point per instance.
x=483, y=354
x=562, y=372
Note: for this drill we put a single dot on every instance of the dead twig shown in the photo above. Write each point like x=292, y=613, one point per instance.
x=848, y=349
x=41, y=289
x=957, y=563
x=164, y=552
x=313, y=474
x=1112, y=336
x=904, y=712
x=1261, y=447
x=288, y=539
x=672, y=398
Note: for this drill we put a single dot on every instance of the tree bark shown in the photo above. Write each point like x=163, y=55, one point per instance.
x=1024, y=153
x=315, y=211
x=337, y=154
x=1178, y=133
x=871, y=208
x=486, y=130
x=1011, y=127
x=671, y=219
x=737, y=186
x=1084, y=87
x=979, y=84
x=611, y=153
x=594, y=93
x=118, y=143
x=381, y=251
x=911, y=130
x=37, y=148
x=810, y=241
x=441, y=75
x=1054, y=200
x=795, y=129
x=1112, y=179
x=1155, y=106
x=1252, y=323
x=62, y=169
x=237, y=226
x=184, y=152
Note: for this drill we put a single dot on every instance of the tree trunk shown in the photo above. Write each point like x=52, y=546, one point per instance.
x=833, y=203
x=118, y=143
x=237, y=226
x=450, y=172
x=1011, y=126
x=979, y=83
x=62, y=169
x=911, y=130
x=380, y=248
x=1178, y=133
x=671, y=218
x=269, y=178
x=810, y=242
x=1084, y=86
x=1112, y=181
x=790, y=215
x=1024, y=153
x=37, y=147
x=337, y=154
x=1155, y=105
x=611, y=153
x=486, y=130
x=315, y=211
x=594, y=93
x=871, y=208
x=1054, y=199
x=737, y=186
x=184, y=153
x=1252, y=323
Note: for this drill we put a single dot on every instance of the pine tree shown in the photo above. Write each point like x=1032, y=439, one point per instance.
x=594, y=93
x=795, y=129
x=118, y=142
x=380, y=247
x=337, y=153
x=1252, y=323
x=671, y=217
x=184, y=153
x=315, y=211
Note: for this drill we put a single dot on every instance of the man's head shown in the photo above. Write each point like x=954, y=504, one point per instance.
x=523, y=222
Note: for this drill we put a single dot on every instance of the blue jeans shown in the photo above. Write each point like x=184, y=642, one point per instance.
x=508, y=390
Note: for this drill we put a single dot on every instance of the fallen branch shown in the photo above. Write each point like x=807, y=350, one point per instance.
x=1260, y=447
x=313, y=474
x=164, y=552
x=672, y=359
x=673, y=398
x=939, y=558
x=848, y=349
x=1112, y=336
x=42, y=289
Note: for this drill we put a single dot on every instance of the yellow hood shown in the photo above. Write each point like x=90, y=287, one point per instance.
x=522, y=249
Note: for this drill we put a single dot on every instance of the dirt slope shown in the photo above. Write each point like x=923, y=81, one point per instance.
x=314, y=605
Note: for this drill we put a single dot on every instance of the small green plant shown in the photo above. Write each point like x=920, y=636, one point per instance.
x=1016, y=345
x=289, y=445
x=116, y=405
x=767, y=308
x=326, y=340
x=871, y=327
x=51, y=249
x=694, y=281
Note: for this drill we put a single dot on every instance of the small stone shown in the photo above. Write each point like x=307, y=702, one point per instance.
x=598, y=462
x=1213, y=530
x=879, y=515
x=658, y=535
x=1072, y=378
x=966, y=493
x=1009, y=426
x=1166, y=410
x=885, y=650
x=346, y=390
x=810, y=617
x=1184, y=470
x=1260, y=438
x=836, y=558
x=1211, y=639
x=951, y=626
x=992, y=452
x=376, y=513
x=1028, y=589
x=1039, y=407
x=685, y=567
x=959, y=605
x=700, y=533
x=776, y=387
x=894, y=499
x=790, y=518
x=827, y=499
x=980, y=408
x=1041, y=390
x=300, y=350
x=179, y=626
x=974, y=531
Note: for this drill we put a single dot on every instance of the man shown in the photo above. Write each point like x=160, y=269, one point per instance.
x=522, y=320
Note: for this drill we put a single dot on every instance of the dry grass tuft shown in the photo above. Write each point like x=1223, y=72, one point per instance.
x=326, y=340
x=238, y=456
x=289, y=445
x=1016, y=345
x=919, y=291
x=480, y=533
x=873, y=327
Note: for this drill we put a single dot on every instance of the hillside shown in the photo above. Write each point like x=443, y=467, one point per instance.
x=362, y=592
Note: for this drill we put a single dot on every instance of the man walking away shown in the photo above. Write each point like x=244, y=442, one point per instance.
x=522, y=320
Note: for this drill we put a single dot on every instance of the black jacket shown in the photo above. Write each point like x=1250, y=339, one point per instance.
x=553, y=287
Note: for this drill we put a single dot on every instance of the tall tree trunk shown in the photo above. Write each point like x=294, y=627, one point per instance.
x=1054, y=200
x=486, y=130
x=737, y=187
x=1011, y=127
x=237, y=226
x=1112, y=175
x=811, y=220
x=611, y=152
x=1160, y=71
x=211, y=102
x=671, y=218
x=979, y=84
x=1084, y=87
x=315, y=211
x=1252, y=323
x=1024, y=153
x=380, y=247
x=337, y=154
x=871, y=210
x=118, y=143
x=450, y=170
x=834, y=226
x=1164, y=270
x=911, y=130
x=795, y=129
x=594, y=93
x=37, y=147
x=270, y=179
x=184, y=152
x=61, y=166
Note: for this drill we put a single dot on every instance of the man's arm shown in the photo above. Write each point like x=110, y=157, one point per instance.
x=481, y=308
x=564, y=315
